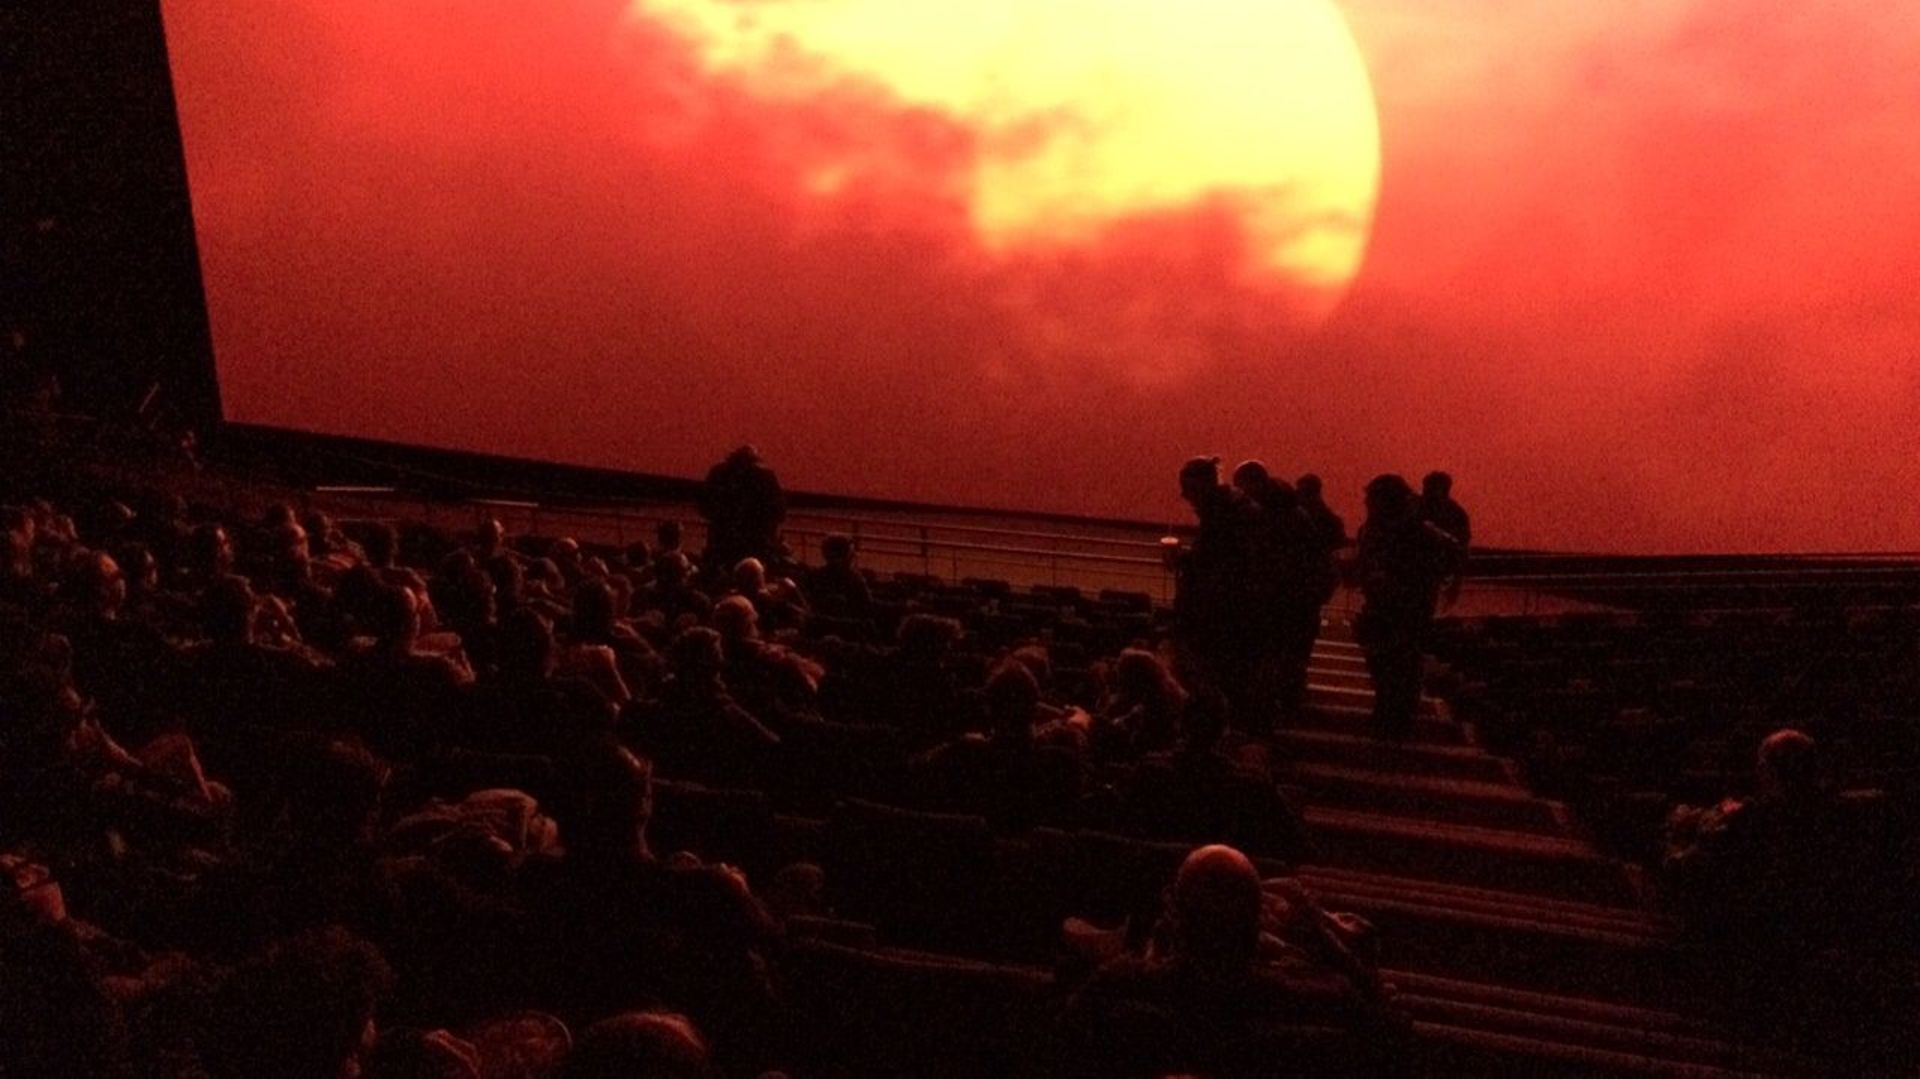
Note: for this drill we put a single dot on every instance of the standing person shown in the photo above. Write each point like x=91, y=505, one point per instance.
x=1214, y=608
x=1330, y=535
x=1292, y=578
x=1401, y=563
x=744, y=507
x=1437, y=506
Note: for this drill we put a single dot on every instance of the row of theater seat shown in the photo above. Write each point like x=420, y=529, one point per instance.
x=946, y=942
x=1625, y=716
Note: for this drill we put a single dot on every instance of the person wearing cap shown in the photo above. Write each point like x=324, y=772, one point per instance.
x=1401, y=563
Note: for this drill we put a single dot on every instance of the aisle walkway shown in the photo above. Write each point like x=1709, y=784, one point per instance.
x=1517, y=947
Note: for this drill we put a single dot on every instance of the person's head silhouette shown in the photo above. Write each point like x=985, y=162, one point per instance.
x=1389, y=497
x=1215, y=907
x=1198, y=477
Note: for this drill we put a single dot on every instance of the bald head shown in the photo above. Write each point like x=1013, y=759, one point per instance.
x=1789, y=765
x=641, y=1043
x=1216, y=898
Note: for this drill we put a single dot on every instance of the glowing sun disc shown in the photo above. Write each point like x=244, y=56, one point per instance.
x=1141, y=107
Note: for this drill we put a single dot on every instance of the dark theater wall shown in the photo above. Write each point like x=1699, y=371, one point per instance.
x=102, y=284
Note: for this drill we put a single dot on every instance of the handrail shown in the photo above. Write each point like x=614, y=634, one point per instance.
x=929, y=540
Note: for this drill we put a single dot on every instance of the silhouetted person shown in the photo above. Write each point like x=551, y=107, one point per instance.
x=1401, y=563
x=1217, y=993
x=1798, y=896
x=1005, y=774
x=1438, y=507
x=770, y=680
x=1214, y=612
x=1144, y=707
x=620, y=928
x=1195, y=792
x=743, y=506
x=672, y=594
x=1330, y=531
x=652, y=1044
x=837, y=587
x=304, y=1007
x=696, y=729
x=1759, y=872
x=1288, y=582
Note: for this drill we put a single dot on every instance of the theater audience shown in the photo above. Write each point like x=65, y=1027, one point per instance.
x=916, y=688
x=303, y=831
x=1763, y=870
x=523, y=706
x=404, y=699
x=602, y=649
x=1798, y=896
x=303, y=1007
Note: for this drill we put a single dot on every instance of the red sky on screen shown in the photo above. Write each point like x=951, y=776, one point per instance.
x=1641, y=280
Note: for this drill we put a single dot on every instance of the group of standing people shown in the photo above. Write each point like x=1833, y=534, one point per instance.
x=1263, y=563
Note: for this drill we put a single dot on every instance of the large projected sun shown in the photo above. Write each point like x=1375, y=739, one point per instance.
x=1085, y=114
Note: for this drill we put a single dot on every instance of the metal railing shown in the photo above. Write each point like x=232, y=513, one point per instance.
x=968, y=543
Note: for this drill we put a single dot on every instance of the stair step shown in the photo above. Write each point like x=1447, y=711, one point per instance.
x=1486, y=1053
x=1517, y=949
x=1347, y=716
x=1417, y=758
x=1680, y=1048
x=1493, y=805
x=1468, y=854
x=1631, y=1016
x=1548, y=909
x=1334, y=674
x=1346, y=659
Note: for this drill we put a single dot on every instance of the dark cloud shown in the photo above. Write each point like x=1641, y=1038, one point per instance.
x=1645, y=290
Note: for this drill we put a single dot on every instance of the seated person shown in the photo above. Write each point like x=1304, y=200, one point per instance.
x=524, y=706
x=1765, y=868
x=1234, y=977
x=404, y=699
x=914, y=689
x=1196, y=793
x=769, y=680
x=1005, y=774
x=671, y=598
x=695, y=729
x=778, y=601
x=304, y=1006
x=655, y=1043
x=837, y=588
x=1142, y=709
x=602, y=648
x=624, y=928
